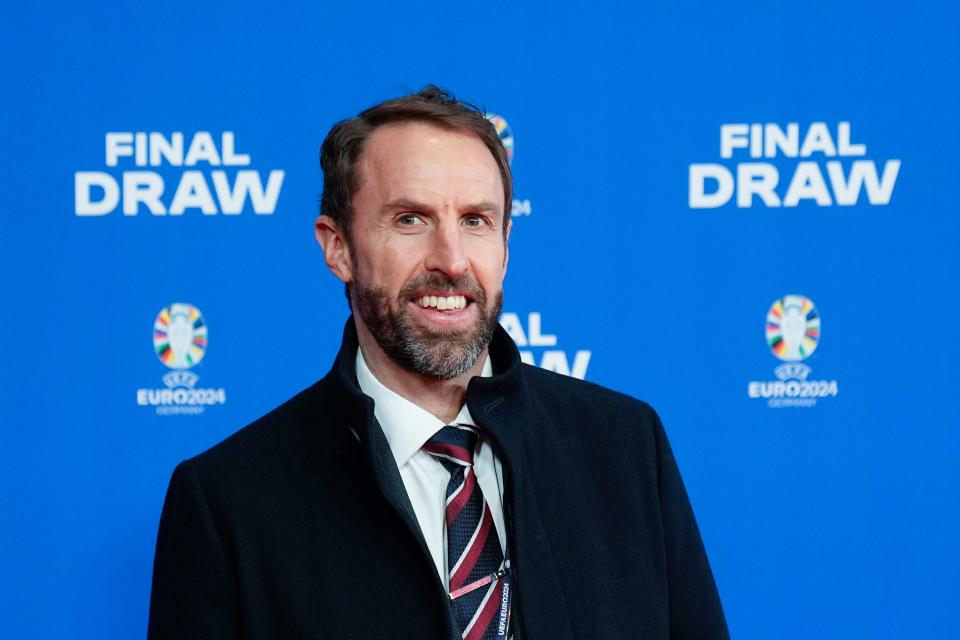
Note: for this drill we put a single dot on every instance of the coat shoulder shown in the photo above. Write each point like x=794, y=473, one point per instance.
x=569, y=399
x=274, y=441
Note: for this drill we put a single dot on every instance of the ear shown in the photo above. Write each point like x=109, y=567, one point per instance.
x=336, y=251
x=506, y=248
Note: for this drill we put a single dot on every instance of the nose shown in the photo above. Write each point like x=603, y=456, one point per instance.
x=446, y=252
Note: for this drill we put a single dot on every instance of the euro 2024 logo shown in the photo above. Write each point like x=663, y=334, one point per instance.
x=523, y=207
x=180, y=342
x=793, y=333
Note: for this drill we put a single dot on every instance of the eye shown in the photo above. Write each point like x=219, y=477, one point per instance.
x=475, y=220
x=410, y=219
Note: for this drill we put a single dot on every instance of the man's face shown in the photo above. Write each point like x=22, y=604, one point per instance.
x=428, y=252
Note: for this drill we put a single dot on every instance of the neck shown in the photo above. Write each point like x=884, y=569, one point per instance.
x=442, y=398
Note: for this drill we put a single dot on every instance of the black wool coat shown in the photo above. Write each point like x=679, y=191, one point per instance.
x=292, y=528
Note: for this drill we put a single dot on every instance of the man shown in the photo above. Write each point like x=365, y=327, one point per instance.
x=431, y=485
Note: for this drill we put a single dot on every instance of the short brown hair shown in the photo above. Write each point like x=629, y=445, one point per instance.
x=433, y=105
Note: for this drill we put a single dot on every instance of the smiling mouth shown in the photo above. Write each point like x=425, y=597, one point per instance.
x=442, y=303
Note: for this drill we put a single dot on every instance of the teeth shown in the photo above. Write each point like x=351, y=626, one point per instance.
x=442, y=302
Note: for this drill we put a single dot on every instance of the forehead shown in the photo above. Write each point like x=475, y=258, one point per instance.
x=420, y=160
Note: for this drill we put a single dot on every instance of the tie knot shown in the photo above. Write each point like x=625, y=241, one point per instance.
x=453, y=444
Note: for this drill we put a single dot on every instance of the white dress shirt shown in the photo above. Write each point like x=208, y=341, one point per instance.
x=407, y=427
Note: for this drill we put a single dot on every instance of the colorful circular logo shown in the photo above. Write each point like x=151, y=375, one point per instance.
x=505, y=133
x=180, y=336
x=793, y=328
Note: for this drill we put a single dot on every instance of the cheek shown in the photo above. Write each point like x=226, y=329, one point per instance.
x=390, y=266
x=489, y=268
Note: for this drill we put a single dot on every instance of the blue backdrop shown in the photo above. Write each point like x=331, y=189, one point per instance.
x=744, y=214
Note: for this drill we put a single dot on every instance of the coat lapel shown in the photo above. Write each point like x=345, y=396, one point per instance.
x=504, y=408
x=357, y=415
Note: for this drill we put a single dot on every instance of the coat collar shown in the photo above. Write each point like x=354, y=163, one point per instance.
x=490, y=400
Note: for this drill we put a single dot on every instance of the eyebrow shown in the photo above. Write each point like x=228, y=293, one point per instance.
x=484, y=206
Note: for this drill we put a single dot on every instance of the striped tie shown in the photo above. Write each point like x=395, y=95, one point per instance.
x=473, y=548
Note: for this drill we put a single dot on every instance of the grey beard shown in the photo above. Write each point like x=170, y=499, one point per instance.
x=442, y=354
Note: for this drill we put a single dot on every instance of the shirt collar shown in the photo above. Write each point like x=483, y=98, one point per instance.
x=406, y=425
